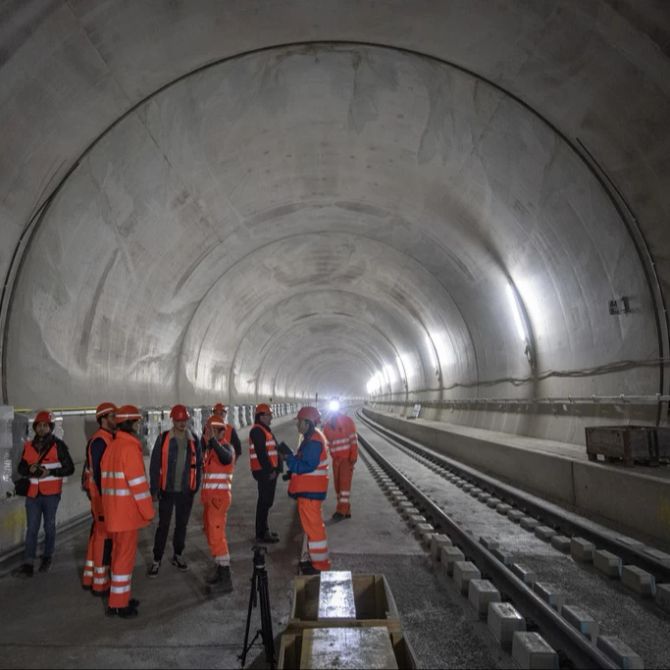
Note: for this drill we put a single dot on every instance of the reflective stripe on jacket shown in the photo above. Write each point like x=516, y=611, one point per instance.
x=126, y=499
x=46, y=485
x=270, y=447
x=315, y=482
x=342, y=439
x=88, y=478
x=217, y=479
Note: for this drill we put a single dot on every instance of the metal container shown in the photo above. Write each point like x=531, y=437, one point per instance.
x=630, y=444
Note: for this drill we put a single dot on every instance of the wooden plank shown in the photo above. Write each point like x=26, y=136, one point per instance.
x=336, y=596
x=324, y=648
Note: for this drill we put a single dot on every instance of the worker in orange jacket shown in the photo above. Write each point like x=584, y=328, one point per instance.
x=220, y=410
x=126, y=501
x=216, y=496
x=309, y=485
x=340, y=431
x=99, y=552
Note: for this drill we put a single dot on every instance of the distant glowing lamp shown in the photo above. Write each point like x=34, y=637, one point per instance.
x=334, y=405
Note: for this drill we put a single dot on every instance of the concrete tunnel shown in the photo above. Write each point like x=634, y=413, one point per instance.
x=458, y=204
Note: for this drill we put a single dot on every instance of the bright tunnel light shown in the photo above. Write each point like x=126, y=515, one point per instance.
x=334, y=405
x=516, y=313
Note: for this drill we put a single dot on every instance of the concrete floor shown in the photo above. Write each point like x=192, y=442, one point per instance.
x=180, y=626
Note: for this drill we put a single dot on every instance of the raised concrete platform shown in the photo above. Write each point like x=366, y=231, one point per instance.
x=556, y=471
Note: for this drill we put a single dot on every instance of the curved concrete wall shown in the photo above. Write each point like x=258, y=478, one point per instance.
x=301, y=218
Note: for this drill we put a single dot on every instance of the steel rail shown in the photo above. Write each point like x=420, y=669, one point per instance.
x=549, y=513
x=556, y=630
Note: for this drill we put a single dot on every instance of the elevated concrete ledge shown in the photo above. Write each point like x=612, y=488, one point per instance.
x=554, y=471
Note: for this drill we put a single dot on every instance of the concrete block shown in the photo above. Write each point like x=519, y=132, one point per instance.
x=561, y=543
x=544, y=533
x=526, y=575
x=581, y=549
x=515, y=515
x=620, y=652
x=607, y=563
x=493, y=502
x=483, y=496
x=530, y=651
x=424, y=532
x=467, y=487
x=475, y=491
x=662, y=598
x=481, y=592
x=550, y=594
x=438, y=541
x=464, y=572
x=503, y=508
x=529, y=523
x=503, y=556
x=408, y=511
x=581, y=620
x=503, y=621
x=415, y=519
x=449, y=556
x=641, y=581
x=488, y=542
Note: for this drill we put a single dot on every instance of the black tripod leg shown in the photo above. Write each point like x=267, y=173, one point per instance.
x=252, y=603
x=266, y=620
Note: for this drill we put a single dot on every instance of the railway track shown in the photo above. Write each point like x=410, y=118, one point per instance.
x=430, y=473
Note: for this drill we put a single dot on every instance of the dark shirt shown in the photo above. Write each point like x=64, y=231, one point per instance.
x=96, y=450
x=257, y=436
x=157, y=464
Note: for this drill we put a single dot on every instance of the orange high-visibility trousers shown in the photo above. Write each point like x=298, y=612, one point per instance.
x=96, y=567
x=312, y=523
x=215, y=516
x=343, y=472
x=124, y=548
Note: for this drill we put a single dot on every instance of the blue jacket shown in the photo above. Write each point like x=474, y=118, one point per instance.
x=306, y=460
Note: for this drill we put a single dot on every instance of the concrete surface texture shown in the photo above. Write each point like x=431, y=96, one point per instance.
x=254, y=199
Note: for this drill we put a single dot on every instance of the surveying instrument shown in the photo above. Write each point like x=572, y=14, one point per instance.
x=259, y=590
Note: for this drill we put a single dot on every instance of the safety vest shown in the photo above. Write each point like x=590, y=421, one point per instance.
x=47, y=485
x=342, y=440
x=270, y=446
x=88, y=480
x=217, y=479
x=317, y=480
x=126, y=499
x=193, y=464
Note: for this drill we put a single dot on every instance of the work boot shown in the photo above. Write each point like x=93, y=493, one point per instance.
x=45, y=564
x=123, y=612
x=338, y=516
x=26, y=570
x=153, y=570
x=220, y=579
x=179, y=562
x=268, y=538
x=310, y=570
x=347, y=515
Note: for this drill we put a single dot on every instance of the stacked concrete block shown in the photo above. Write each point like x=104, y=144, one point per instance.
x=436, y=543
x=424, y=532
x=620, y=652
x=449, y=556
x=503, y=621
x=607, y=563
x=481, y=592
x=464, y=572
x=581, y=620
x=581, y=550
x=408, y=511
x=641, y=581
x=530, y=651
x=415, y=519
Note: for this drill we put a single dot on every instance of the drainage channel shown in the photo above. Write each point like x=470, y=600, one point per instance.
x=569, y=642
x=569, y=524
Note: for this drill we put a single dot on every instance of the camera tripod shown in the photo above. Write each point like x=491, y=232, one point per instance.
x=259, y=589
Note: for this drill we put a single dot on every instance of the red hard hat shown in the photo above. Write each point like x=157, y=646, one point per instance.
x=216, y=422
x=43, y=416
x=104, y=408
x=263, y=408
x=179, y=413
x=219, y=407
x=128, y=413
x=310, y=413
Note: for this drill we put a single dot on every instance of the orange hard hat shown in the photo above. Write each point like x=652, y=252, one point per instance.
x=219, y=407
x=216, y=422
x=309, y=413
x=179, y=413
x=263, y=408
x=43, y=416
x=104, y=408
x=128, y=413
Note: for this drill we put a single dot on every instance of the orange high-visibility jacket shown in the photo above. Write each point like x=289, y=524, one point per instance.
x=126, y=499
x=317, y=480
x=216, y=477
x=193, y=462
x=88, y=478
x=47, y=485
x=342, y=440
x=270, y=446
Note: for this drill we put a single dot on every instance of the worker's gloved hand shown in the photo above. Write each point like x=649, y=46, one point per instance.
x=284, y=449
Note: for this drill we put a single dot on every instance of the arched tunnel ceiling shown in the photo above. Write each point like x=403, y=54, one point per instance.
x=303, y=217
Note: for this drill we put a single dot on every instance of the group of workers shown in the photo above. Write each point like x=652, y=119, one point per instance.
x=122, y=498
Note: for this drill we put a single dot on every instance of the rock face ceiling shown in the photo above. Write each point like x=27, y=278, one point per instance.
x=243, y=200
